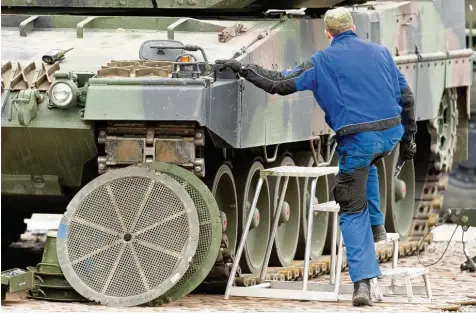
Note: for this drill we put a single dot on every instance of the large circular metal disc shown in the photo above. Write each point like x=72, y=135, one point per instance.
x=255, y=246
x=209, y=236
x=224, y=190
x=400, y=195
x=320, y=223
x=286, y=240
x=127, y=237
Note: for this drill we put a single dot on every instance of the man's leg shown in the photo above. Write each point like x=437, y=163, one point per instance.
x=351, y=193
x=373, y=198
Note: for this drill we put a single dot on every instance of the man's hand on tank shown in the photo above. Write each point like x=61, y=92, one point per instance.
x=407, y=150
x=232, y=64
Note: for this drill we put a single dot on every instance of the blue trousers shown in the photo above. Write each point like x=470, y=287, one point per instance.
x=357, y=193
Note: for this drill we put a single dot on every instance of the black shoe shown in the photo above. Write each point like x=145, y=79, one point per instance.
x=362, y=293
x=379, y=233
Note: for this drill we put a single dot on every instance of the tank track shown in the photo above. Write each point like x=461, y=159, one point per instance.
x=429, y=187
x=316, y=268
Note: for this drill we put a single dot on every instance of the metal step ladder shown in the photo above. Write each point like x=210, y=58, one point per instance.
x=332, y=291
x=292, y=290
x=393, y=292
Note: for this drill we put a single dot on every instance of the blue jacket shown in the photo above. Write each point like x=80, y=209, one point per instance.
x=356, y=83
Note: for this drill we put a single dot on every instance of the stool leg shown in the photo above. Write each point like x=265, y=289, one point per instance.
x=338, y=267
x=394, y=260
x=427, y=286
x=307, y=251
x=231, y=279
x=408, y=285
x=273, y=231
x=333, y=248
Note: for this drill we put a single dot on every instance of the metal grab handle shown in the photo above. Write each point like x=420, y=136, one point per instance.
x=40, y=279
x=38, y=290
x=46, y=264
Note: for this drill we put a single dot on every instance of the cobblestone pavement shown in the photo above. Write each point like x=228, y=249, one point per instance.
x=448, y=284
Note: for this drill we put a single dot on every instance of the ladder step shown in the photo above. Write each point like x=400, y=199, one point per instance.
x=401, y=272
x=330, y=206
x=300, y=171
x=391, y=237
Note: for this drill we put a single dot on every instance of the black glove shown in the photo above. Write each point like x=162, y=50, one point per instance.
x=232, y=64
x=407, y=150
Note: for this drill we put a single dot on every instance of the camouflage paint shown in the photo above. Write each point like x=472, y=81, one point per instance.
x=257, y=118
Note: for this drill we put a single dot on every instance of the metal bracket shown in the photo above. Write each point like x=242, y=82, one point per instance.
x=275, y=154
x=27, y=25
x=80, y=26
x=186, y=20
x=314, y=154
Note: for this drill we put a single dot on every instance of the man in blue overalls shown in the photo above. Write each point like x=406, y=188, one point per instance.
x=369, y=105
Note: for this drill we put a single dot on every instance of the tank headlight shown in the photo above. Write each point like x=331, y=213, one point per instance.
x=63, y=93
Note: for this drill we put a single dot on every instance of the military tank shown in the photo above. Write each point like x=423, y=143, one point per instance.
x=154, y=153
x=461, y=192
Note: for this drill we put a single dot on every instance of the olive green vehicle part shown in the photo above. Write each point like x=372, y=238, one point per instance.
x=49, y=281
x=49, y=261
x=148, y=222
x=16, y=280
x=55, y=294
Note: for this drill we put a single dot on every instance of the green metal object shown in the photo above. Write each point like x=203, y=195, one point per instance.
x=49, y=261
x=210, y=231
x=4, y=292
x=48, y=279
x=287, y=236
x=26, y=104
x=59, y=294
x=321, y=220
x=400, y=195
x=16, y=280
x=464, y=217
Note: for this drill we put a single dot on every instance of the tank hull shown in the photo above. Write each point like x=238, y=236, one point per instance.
x=133, y=103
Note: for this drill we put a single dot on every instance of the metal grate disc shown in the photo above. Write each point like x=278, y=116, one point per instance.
x=128, y=237
x=210, y=231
